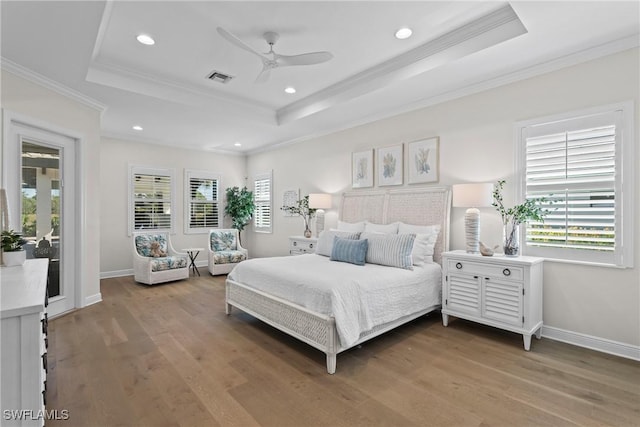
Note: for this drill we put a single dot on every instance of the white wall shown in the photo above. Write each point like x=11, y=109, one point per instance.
x=23, y=97
x=115, y=158
x=477, y=145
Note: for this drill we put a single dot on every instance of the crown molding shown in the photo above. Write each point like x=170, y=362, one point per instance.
x=156, y=142
x=491, y=29
x=46, y=82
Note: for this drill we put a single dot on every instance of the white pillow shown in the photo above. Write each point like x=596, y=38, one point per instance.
x=351, y=226
x=423, y=246
x=325, y=240
x=393, y=250
x=371, y=227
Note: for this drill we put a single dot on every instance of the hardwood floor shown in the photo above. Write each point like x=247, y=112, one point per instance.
x=167, y=355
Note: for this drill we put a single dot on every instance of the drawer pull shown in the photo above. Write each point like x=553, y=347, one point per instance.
x=310, y=245
x=458, y=265
x=44, y=363
x=506, y=272
x=295, y=243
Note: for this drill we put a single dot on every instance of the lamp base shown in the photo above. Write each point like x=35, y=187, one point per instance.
x=319, y=222
x=472, y=230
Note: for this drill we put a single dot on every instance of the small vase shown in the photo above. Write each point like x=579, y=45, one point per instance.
x=511, y=239
x=307, y=233
x=9, y=259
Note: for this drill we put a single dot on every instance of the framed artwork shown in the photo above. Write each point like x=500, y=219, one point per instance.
x=390, y=170
x=422, y=160
x=290, y=198
x=362, y=169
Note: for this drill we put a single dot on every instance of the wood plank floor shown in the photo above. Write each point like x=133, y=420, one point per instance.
x=167, y=355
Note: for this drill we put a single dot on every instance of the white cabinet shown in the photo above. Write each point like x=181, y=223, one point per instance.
x=299, y=245
x=499, y=291
x=23, y=370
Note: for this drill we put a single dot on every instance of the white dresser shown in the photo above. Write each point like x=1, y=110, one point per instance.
x=23, y=370
x=299, y=245
x=499, y=291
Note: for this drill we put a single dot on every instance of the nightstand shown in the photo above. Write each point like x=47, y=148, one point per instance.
x=299, y=245
x=498, y=291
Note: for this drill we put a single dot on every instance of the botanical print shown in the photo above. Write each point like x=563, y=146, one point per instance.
x=423, y=161
x=362, y=169
x=390, y=170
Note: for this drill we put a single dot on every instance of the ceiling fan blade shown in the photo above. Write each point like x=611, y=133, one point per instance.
x=303, y=59
x=264, y=75
x=239, y=43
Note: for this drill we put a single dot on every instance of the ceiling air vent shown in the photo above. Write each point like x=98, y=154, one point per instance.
x=219, y=77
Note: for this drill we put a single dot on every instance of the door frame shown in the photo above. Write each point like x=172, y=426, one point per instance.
x=14, y=126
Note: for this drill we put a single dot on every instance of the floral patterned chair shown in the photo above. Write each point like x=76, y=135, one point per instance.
x=148, y=267
x=225, y=251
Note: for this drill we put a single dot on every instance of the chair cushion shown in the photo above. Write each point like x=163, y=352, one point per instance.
x=228, y=257
x=143, y=243
x=223, y=241
x=168, y=263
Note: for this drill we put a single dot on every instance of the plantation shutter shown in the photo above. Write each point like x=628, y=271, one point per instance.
x=151, y=201
x=573, y=165
x=203, y=204
x=262, y=217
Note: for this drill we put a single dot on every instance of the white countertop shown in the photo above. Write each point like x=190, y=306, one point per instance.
x=23, y=288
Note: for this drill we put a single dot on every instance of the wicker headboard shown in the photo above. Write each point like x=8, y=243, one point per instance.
x=420, y=206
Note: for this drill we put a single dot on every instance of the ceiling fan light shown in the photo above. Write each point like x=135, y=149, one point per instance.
x=146, y=39
x=290, y=90
x=403, y=33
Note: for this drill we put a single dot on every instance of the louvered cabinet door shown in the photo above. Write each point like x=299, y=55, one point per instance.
x=502, y=301
x=463, y=294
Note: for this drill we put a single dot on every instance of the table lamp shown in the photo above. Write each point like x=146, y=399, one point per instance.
x=319, y=201
x=472, y=196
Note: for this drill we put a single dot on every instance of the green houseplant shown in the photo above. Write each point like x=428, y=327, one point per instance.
x=12, y=251
x=529, y=210
x=302, y=208
x=239, y=207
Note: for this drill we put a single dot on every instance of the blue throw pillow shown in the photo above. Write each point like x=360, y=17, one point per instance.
x=349, y=250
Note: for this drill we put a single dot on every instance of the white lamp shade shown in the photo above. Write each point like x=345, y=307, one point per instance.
x=319, y=201
x=476, y=195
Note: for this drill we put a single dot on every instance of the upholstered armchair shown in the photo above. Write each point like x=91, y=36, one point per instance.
x=155, y=260
x=225, y=251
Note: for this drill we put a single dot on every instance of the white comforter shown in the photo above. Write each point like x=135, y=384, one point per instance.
x=358, y=297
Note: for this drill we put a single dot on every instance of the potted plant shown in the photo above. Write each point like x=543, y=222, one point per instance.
x=239, y=207
x=512, y=217
x=302, y=208
x=12, y=251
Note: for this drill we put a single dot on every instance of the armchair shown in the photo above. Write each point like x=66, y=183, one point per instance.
x=225, y=251
x=155, y=260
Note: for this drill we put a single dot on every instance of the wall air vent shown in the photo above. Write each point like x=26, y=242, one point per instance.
x=219, y=77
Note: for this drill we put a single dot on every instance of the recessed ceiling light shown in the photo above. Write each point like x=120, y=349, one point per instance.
x=404, y=33
x=137, y=127
x=237, y=144
x=146, y=39
x=290, y=90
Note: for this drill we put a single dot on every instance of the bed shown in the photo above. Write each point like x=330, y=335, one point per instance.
x=307, y=316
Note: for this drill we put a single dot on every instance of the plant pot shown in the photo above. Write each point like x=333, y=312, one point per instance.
x=511, y=239
x=10, y=259
x=307, y=233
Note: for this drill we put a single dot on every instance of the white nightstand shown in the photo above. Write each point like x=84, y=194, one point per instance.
x=299, y=245
x=499, y=291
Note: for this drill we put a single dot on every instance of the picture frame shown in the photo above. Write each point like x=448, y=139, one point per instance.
x=423, y=160
x=290, y=198
x=390, y=165
x=362, y=169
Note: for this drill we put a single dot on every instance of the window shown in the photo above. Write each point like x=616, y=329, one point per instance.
x=262, y=216
x=151, y=199
x=202, y=207
x=581, y=165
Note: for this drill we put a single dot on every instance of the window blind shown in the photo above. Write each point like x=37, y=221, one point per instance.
x=262, y=216
x=151, y=201
x=203, y=209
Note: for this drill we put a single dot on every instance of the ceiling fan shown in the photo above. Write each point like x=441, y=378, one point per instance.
x=275, y=60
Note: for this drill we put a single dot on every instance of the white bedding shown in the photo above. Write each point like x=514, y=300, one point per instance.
x=358, y=297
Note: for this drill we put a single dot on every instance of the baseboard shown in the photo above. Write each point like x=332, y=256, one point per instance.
x=594, y=343
x=92, y=299
x=116, y=273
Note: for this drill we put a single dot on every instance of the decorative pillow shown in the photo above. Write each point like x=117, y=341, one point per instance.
x=143, y=243
x=325, y=240
x=349, y=250
x=426, y=236
x=392, y=228
x=223, y=241
x=393, y=250
x=351, y=226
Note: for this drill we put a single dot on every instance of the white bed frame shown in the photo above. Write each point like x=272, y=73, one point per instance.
x=419, y=206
